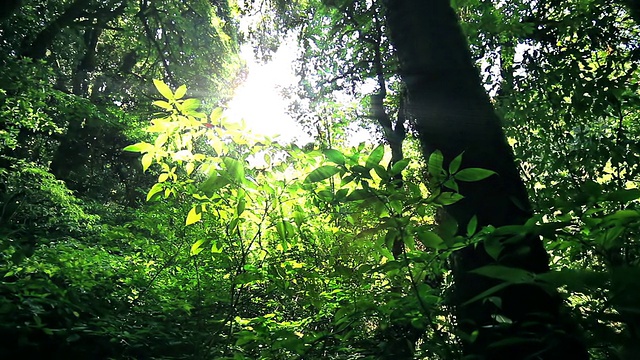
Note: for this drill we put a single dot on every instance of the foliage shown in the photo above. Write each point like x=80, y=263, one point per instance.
x=251, y=249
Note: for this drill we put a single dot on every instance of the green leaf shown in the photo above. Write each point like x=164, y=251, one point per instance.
x=487, y=293
x=448, y=198
x=321, y=173
x=214, y=183
x=141, y=147
x=375, y=157
x=163, y=104
x=451, y=184
x=454, y=165
x=430, y=239
x=195, y=214
x=575, y=280
x=493, y=246
x=180, y=92
x=623, y=196
x=473, y=174
x=155, y=189
x=146, y=160
x=163, y=177
x=398, y=167
x=196, y=248
x=334, y=156
x=472, y=226
x=190, y=105
x=163, y=89
x=623, y=215
x=216, y=114
x=382, y=172
x=435, y=163
x=359, y=194
x=505, y=273
x=235, y=169
x=240, y=207
x=347, y=179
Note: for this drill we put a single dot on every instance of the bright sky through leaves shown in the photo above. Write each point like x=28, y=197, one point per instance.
x=259, y=99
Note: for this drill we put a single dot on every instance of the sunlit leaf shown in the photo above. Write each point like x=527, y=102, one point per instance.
x=375, y=157
x=334, y=156
x=218, y=146
x=196, y=248
x=321, y=173
x=141, y=147
x=235, y=169
x=155, y=189
x=215, y=116
x=163, y=89
x=161, y=140
x=163, y=177
x=194, y=215
x=214, y=183
x=180, y=92
x=189, y=168
x=190, y=105
x=146, y=160
x=163, y=104
x=473, y=174
x=182, y=155
x=398, y=167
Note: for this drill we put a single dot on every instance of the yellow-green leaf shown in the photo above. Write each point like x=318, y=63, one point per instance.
x=189, y=168
x=141, y=147
x=163, y=89
x=196, y=248
x=161, y=140
x=163, y=104
x=147, y=159
x=190, y=105
x=180, y=92
x=154, y=190
x=216, y=114
x=195, y=214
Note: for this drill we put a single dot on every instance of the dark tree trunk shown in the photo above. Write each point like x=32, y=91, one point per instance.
x=8, y=7
x=454, y=114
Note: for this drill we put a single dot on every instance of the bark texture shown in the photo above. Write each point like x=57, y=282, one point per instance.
x=454, y=114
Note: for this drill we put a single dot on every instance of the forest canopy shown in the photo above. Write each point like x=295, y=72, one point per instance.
x=493, y=214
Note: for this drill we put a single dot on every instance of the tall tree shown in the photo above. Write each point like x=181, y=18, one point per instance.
x=102, y=56
x=454, y=115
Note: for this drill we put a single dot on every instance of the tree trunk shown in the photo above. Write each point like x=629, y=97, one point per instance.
x=454, y=114
x=8, y=7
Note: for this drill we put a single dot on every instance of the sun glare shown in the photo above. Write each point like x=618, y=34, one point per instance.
x=259, y=100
